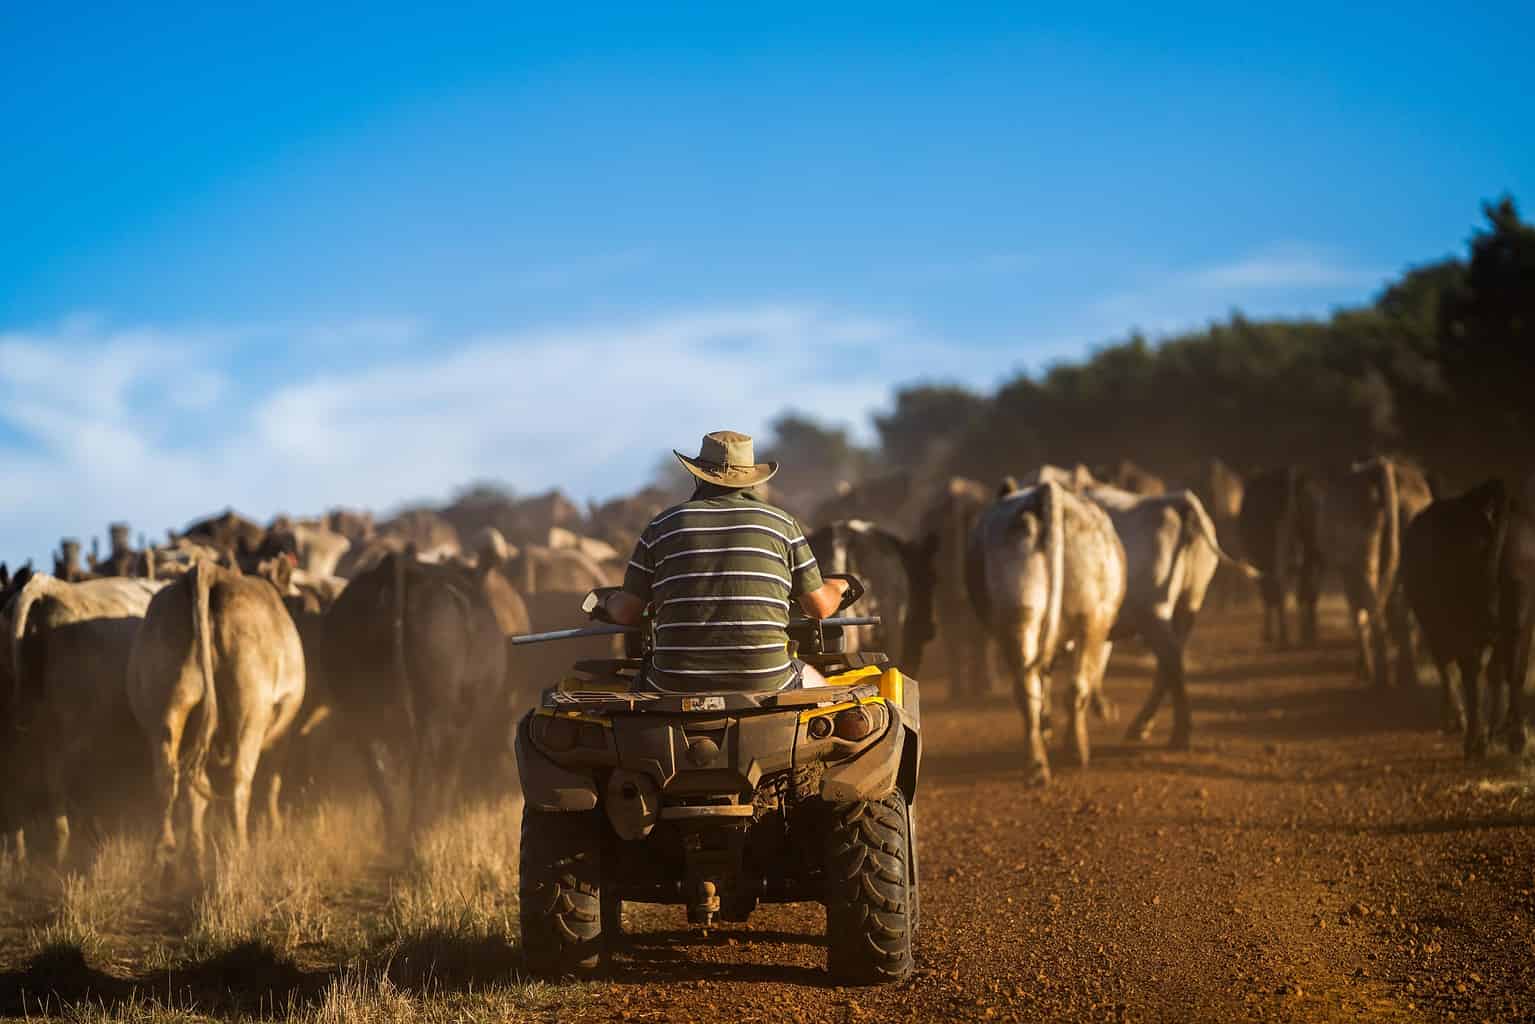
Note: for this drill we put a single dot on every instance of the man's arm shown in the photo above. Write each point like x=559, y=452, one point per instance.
x=624, y=608
x=817, y=598
x=824, y=601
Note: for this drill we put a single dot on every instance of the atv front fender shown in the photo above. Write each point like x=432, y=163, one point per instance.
x=547, y=786
x=871, y=774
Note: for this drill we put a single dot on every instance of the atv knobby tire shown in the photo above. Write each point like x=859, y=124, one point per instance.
x=869, y=892
x=560, y=889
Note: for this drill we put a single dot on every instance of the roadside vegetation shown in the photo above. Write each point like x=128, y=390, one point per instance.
x=317, y=922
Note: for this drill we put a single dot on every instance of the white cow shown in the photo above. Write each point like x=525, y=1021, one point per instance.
x=1046, y=573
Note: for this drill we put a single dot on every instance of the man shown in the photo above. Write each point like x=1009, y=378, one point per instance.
x=720, y=570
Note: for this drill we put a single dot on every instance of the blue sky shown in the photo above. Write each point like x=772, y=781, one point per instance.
x=288, y=259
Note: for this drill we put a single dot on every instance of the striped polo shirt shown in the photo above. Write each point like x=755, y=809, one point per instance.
x=721, y=573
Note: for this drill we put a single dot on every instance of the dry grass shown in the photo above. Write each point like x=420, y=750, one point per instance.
x=354, y=997
x=463, y=880
x=317, y=923
x=374, y=999
x=282, y=890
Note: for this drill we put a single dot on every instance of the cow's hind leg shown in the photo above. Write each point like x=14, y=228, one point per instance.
x=384, y=772
x=1471, y=685
x=1162, y=636
x=430, y=780
x=1020, y=650
x=1275, y=628
x=1399, y=617
x=167, y=770
x=1088, y=665
x=1452, y=711
x=1140, y=726
x=1308, y=587
x=1515, y=650
x=56, y=775
x=199, y=791
x=247, y=755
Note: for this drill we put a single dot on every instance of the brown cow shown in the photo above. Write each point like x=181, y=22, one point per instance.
x=228, y=531
x=964, y=644
x=69, y=648
x=414, y=656
x=1127, y=476
x=1279, y=535
x=1361, y=516
x=898, y=575
x=216, y=680
x=1517, y=608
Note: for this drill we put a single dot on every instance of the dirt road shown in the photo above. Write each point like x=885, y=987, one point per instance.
x=1321, y=854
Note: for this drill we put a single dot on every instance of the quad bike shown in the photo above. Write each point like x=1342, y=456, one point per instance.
x=719, y=801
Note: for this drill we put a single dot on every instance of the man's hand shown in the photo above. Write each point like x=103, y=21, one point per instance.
x=824, y=602
x=623, y=608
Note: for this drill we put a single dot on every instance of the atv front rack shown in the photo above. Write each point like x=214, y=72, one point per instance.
x=609, y=629
x=604, y=702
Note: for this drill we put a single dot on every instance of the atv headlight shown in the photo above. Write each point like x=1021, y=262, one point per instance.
x=843, y=731
x=860, y=722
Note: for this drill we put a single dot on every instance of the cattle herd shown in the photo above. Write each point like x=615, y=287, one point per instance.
x=216, y=664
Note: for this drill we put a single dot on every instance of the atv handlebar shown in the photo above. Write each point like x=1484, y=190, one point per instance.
x=608, y=629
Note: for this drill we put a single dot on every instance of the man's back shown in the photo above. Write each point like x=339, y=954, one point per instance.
x=722, y=572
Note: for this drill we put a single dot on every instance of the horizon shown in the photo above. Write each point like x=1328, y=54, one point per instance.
x=295, y=262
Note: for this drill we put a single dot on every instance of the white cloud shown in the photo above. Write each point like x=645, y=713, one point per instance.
x=1288, y=266
x=157, y=427
x=1288, y=279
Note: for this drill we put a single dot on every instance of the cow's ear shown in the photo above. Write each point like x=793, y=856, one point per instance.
x=279, y=571
x=1008, y=485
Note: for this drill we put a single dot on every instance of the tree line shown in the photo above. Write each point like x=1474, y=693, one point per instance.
x=1439, y=366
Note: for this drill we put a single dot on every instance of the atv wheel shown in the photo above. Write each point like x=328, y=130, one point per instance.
x=561, y=893
x=869, y=891
x=913, y=876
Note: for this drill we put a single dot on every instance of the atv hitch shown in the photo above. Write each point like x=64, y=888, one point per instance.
x=713, y=854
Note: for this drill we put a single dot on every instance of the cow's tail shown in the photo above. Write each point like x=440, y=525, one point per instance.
x=397, y=629
x=1197, y=521
x=1502, y=510
x=1392, y=555
x=194, y=760
x=918, y=628
x=1052, y=496
x=971, y=544
x=24, y=657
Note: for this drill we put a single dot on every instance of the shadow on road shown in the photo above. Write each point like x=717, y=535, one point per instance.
x=1311, y=714
x=253, y=978
x=684, y=955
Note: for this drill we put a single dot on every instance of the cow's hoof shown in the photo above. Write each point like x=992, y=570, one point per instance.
x=1105, y=709
x=1139, y=731
x=1516, y=738
x=1037, y=774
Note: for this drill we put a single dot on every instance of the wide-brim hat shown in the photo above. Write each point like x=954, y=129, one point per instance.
x=726, y=458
